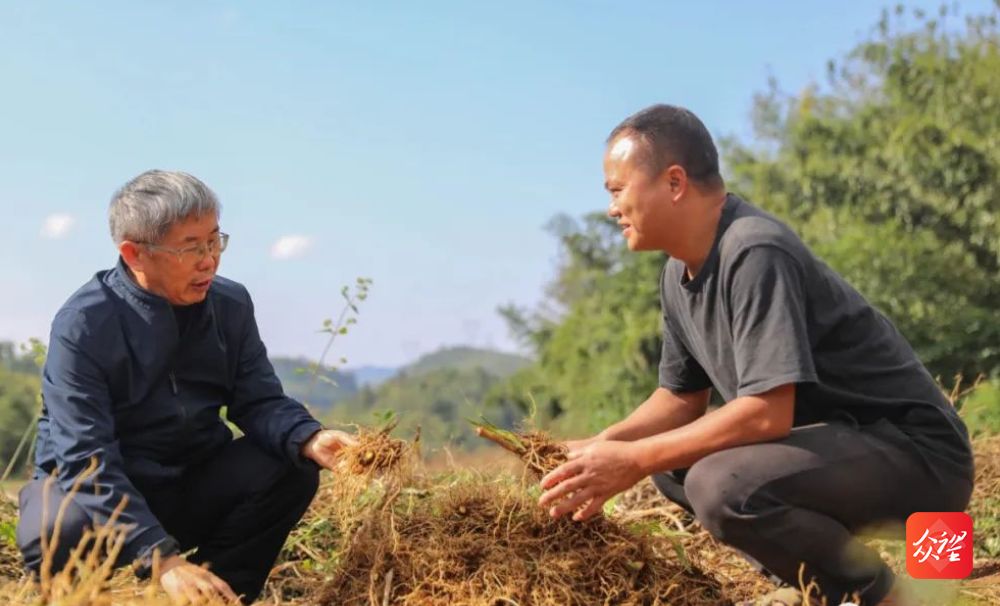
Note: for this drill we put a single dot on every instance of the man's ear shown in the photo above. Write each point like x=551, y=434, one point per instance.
x=677, y=181
x=133, y=255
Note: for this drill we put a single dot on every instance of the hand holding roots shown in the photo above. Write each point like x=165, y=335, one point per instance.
x=376, y=452
x=539, y=453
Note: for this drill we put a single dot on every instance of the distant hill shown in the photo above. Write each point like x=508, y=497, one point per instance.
x=437, y=393
x=496, y=363
x=324, y=393
x=372, y=376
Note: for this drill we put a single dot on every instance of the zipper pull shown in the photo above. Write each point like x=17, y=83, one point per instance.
x=173, y=383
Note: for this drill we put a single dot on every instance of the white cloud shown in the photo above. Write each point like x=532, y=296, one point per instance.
x=57, y=226
x=290, y=247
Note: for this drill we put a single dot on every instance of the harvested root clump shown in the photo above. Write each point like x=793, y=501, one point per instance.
x=536, y=448
x=476, y=541
x=374, y=470
x=376, y=452
x=487, y=542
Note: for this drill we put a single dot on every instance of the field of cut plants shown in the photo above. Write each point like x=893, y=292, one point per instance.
x=384, y=531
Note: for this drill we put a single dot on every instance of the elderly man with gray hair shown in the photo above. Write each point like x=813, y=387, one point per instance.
x=141, y=360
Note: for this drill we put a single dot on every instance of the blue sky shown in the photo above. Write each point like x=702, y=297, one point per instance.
x=424, y=145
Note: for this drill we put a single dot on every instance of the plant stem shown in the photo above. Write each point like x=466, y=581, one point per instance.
x=501, y=439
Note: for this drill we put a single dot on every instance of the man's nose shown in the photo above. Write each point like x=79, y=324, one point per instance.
x=613, y=210
x=208, y=262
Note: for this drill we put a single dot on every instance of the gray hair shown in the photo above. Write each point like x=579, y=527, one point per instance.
x=144, y=208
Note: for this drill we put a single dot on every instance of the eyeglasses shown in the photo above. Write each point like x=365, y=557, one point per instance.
x=195, y=254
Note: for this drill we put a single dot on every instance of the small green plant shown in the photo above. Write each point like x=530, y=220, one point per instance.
x=384, y=418
x=348, y=316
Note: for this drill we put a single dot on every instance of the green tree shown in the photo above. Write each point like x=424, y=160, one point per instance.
x=597, y=336
x=890, y=174
x=18, y=406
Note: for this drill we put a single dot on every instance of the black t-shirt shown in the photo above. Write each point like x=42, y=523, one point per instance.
x=764, y=312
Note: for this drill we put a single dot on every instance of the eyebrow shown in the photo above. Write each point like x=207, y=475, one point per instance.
x=196, y=238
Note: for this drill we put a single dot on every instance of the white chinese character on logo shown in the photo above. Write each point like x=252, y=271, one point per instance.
x=927, y=551
x=954, y=546
x=938, y=546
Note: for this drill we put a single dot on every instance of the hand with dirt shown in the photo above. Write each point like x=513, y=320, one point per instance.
x=188, y=583
x=590, y=476
x=325, y=446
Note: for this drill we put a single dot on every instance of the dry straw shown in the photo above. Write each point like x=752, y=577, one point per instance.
x=380, y=532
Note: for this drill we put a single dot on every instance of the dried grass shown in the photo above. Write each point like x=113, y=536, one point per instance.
x=487, y=542
x=737, y=579
x=381, y=532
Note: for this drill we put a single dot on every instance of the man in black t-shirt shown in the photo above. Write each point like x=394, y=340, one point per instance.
x=831, y=423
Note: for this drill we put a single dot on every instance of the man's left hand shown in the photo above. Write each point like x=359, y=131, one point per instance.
x=590, y=477
x=325, y=446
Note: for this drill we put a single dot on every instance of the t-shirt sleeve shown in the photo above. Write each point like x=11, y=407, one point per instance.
x=679, y=371
x=769, y=321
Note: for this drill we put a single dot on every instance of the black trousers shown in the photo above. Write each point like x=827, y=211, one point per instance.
x=801, y=500
x=236, y=508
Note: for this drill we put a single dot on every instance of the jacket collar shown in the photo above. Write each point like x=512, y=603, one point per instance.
x=153, y=317
x=148, y=320
x=145, y=303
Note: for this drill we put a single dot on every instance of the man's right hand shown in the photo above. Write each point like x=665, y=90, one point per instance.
x=574, y=445
x=188, y=583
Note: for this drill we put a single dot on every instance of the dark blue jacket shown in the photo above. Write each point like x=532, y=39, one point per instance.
x=122, y=385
